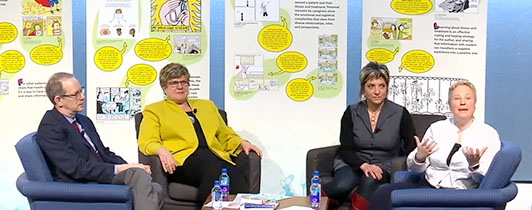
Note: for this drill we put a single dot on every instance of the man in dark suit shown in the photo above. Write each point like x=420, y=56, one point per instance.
x=75, y=153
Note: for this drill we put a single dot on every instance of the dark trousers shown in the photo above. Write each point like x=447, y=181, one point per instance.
x=147, y=195
x=202, y=168
x=381, y=199
x=346, y=179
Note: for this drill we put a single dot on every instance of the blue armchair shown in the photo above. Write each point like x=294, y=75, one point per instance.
x=495, y=190
x=43, y=193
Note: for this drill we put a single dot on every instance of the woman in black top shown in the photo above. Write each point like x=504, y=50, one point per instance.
x=373, y=132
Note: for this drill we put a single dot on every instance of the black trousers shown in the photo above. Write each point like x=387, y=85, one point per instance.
x=202, y=168
x=346, y=179
x=381, y=199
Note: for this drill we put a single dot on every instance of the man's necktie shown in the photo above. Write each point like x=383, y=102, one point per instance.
x=93, y=150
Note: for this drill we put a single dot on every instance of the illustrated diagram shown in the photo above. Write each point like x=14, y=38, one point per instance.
x=176, y=16
x=115, y=103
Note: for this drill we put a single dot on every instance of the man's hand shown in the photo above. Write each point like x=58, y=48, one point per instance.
x=124, y=167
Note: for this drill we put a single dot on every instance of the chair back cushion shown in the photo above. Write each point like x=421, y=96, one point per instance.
x=502, y=167
x=423, y=121
x=32, y=159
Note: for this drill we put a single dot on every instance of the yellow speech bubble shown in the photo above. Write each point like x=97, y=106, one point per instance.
x=153, y=49
x=417, y=61
x=381, y=55
x=300, y=89
x=290, y=62
x=411, y=7
x=109, y=58
x=12, y=61
x=275, y=38
x=141, y=74
x=8, y=32
x=47, y=54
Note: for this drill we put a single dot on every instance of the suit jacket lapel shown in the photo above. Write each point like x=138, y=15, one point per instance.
x=386, y=112
x=362, y=113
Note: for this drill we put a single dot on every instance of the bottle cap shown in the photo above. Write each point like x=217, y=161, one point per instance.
x=216, y=182
x=316, y=173
x=224, y=170
x=315, y=181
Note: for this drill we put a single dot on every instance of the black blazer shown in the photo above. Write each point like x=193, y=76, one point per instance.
x=68, y=154
x=393, y=136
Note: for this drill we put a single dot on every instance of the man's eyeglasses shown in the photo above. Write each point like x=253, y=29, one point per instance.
x=176, y=83
x=76, y=95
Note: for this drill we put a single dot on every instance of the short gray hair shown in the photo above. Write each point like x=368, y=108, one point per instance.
x=172, y=71
x=54, y=87
x=373, y=70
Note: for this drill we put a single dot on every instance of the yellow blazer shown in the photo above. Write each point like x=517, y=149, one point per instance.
x=166, y=124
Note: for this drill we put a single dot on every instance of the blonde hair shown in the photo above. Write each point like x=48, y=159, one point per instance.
x=466, y=83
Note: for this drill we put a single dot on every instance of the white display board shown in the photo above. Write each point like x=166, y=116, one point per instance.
x=427, y=45
x=35, y=42
x=285, y=74
x=128, y=42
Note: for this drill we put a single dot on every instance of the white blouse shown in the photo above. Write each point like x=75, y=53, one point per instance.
x=457, y=174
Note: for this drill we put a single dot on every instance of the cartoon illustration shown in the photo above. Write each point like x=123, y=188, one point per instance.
x=454, y=6
x=105, y=31
x=37, y=30
x=176, y=15
x=27, y=28
x=117, y=103
x=187, y=44
x=118, y=16
x=264, y=8
x=118, y=20
x=391, y=28
x=51, y=4
x=56, y=28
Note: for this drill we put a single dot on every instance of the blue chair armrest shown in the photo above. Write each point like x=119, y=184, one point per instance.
x=407, y=176
x=63, y=191
x=425, y=197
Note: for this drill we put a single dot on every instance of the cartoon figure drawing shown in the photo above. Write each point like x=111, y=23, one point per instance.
x=394, y=31
x=119, y=31
x=264, y=8
x=118, y=16
x=27, y=29
x=454, y=6
x=56, y=26
x=37, y=30
x=132, y=32
x=402, y=33
x=175, y=12
x=50, y=3
x=179, y=15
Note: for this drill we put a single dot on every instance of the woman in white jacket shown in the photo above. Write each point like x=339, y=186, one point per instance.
x=455, y=153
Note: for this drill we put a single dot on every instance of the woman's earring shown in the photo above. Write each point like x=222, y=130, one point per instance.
x=363, y=97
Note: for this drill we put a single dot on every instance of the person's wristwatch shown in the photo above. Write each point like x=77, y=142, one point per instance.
x=474, y=167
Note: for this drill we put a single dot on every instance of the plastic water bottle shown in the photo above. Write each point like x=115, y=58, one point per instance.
x=224, y=184
x=216, y=195
x=316, y=176
x=315, y=193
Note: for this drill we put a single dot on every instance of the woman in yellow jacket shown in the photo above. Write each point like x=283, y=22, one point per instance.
x=190, y=137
